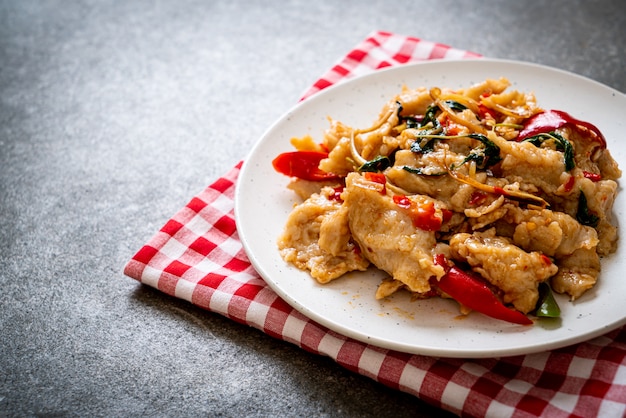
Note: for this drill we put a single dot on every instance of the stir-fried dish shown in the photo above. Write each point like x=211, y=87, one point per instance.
x=475, y=194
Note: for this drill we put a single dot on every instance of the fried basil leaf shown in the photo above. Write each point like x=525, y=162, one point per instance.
x=485, y=156
x=583, y=215
x=423, y=146
x=377, y=164
x=562, y=144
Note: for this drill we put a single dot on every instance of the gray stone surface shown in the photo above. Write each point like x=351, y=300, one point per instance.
x=114, y=114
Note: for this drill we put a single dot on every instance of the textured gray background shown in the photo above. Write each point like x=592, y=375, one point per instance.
x=114, y=114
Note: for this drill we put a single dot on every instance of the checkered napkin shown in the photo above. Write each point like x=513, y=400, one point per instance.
x=197, y=256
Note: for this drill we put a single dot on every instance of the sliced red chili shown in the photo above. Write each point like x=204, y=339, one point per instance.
x=484, y=111
x=424, y=216
x=471, y=291
x=477, y=198
x=441, y=260
x=402, y=201
x=569, y=185
x=377, y=178
x=546, y=260
x=592, y=176
x=452, y=128
x=303, y=165
x=550, y=120
x=336, y=196
x=500, y=191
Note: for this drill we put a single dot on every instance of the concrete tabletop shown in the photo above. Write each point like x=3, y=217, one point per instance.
x=114, y=114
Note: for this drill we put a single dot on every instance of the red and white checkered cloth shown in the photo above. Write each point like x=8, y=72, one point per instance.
x=197, y=256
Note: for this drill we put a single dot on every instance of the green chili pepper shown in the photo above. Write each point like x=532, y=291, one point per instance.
x=547, y=307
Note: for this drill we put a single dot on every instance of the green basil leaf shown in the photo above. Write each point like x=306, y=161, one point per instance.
x=562, y=144
x=583, y=215
x=456, y=106
x=486, y=156
x=419, y=147
x=379, y=163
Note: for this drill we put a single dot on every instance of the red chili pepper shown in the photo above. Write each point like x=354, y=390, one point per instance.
x=452, y=128
x=550, y=120
x=500, y=191
x=402, y=201
x=303, y=165
x=484, y=111
x=336, y=196
x=569, y=185
x=477, y=198
x=440, y=260
x=546, y=260
x=423, y=216
x=472, y=292
x=592, y=176
x=377, y=178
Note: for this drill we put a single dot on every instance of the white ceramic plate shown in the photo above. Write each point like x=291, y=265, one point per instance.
x=430, y=327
